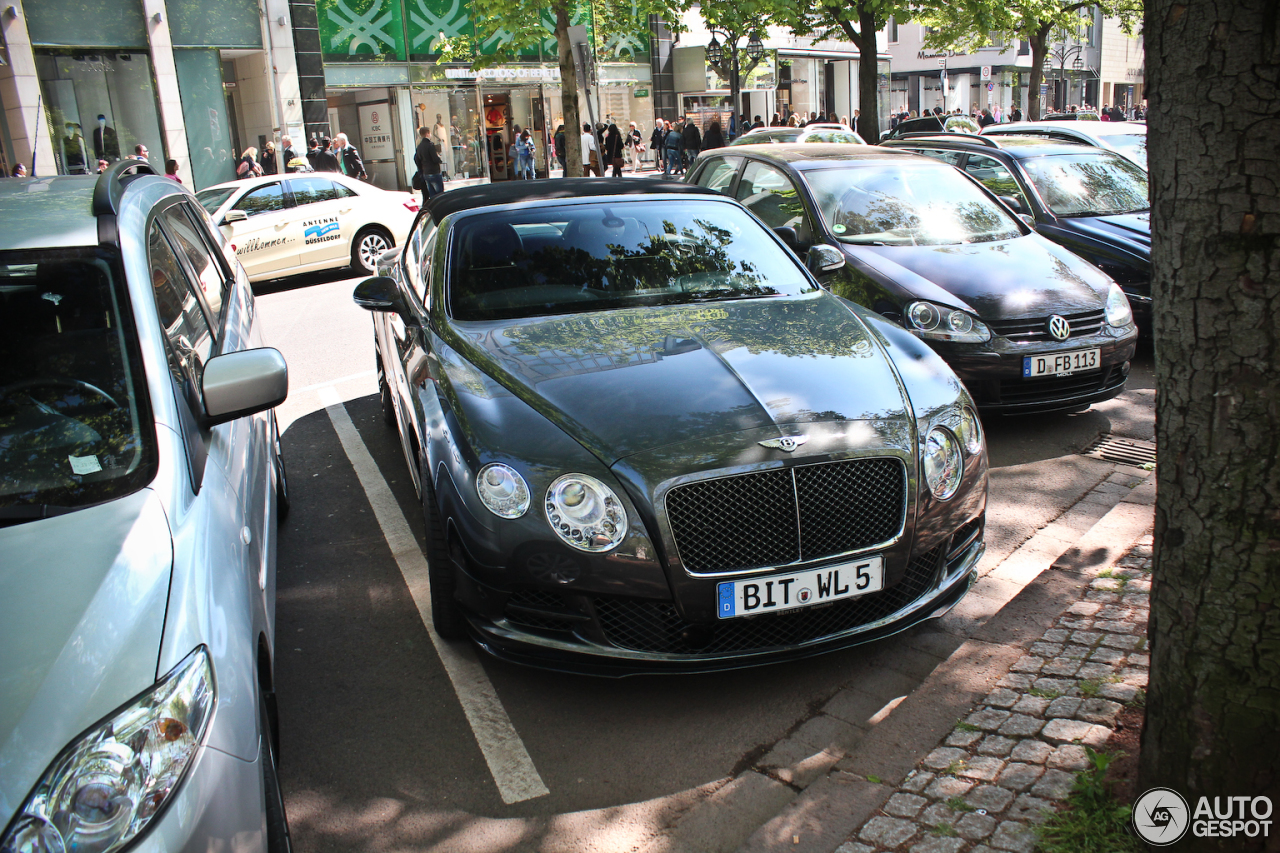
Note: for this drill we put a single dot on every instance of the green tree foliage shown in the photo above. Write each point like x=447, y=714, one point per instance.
x=967, y=25
x=857, y=22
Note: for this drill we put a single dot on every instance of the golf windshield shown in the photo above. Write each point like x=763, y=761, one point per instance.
x=565, y=259
x=907, y=205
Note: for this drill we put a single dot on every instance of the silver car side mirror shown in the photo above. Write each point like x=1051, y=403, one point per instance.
x=234, y=216
x=242, y=383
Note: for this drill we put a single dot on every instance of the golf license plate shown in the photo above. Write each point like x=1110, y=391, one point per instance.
x=776, y=593
x=1061, y=363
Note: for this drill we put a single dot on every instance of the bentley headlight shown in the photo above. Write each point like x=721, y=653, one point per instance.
x=105, y=788
x=502, y=490
x=939, y=323
x=1118, y=311
x=943, y=464
x=585, y=513
x=970, y=431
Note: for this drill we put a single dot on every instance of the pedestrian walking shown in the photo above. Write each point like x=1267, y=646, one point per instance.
x=426, y=157
x=656, y=142
x=287, y=155
x=613, y=147
x=560, y=146
x=325, y=160
x=349, y=160
x=590, y=153
x=248, y=166
x=692, y=141
x=635, y=147
x=171, y=170
x=268, y=159
x=673, y=162
x=713, y=138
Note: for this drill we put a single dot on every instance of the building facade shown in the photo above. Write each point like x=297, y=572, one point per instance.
x=194, y=82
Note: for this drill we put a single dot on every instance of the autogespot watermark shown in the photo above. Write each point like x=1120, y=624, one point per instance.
x=1161, y=816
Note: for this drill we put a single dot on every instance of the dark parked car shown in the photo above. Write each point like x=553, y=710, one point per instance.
x=933, y=124
x=1089, y=200
x=646, y=440
x=1027, y=325
x=1126, y=138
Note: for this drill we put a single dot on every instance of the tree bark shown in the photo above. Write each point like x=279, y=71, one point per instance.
x=868, y=73
x=1039, y=50
x=568, y=94
x=1213, y=709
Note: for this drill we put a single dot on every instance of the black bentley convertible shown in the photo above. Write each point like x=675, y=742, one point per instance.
x=646, y=440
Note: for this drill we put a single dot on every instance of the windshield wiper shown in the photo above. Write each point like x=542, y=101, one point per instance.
x=22, y=513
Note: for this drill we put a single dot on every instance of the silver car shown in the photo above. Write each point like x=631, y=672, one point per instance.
x=140, y=484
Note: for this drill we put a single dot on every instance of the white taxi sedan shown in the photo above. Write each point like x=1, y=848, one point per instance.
x=301, y=222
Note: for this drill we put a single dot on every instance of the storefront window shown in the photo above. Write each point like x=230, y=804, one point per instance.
x=99, y=106
x=204, y=112
x=452, y=116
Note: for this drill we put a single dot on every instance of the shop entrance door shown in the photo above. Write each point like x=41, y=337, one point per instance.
x=507, y=112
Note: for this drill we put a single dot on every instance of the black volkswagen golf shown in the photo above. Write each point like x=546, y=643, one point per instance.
x=645, y=439
x=1028, y=326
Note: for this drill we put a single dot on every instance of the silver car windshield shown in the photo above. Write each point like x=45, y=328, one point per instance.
x=74, y=427
x=567, y=259
x=1092, y=183
x=907, y=205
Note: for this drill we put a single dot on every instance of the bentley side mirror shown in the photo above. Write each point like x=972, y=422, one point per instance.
x=382, y=293
x=234, y=216
x=823, y=259
x=1013, y=203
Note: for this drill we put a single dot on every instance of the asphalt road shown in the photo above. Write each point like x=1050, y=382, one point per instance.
x=377, y=751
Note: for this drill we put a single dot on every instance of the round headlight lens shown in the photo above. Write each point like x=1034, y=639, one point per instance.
x=924, y=316
x=943, y=465
x=1118, y=311
x=586, y=513
x=960, y=322
x=970, y=432
x=502, y=490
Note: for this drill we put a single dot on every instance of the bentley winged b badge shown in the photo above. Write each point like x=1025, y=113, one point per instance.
x=787, y=442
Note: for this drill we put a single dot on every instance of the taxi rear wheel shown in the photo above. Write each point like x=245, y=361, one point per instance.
x=369, y=244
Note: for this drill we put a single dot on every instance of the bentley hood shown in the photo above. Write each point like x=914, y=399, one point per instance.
x=625, y=382
x=1007, y=279
x=82, y=605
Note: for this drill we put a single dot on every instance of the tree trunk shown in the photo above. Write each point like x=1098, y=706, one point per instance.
x=1213, y=708
x=868, y=74
x=1039, y=50
x=568, y=95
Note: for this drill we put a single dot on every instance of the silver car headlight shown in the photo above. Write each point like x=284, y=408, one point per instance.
x=503, y=490
x=939, y=323
x=105, y=788
x=586, y=513
x=943, y=463
x=1118, y=311
x=970, y=431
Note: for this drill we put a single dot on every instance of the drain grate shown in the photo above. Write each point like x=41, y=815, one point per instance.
x=1125, y=451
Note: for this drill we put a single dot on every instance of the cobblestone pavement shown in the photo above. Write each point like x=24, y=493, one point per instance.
x=1007, y=764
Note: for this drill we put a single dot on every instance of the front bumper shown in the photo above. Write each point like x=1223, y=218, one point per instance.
x=993, y=374
x=620, y=636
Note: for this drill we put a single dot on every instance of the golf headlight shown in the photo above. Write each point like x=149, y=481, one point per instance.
x=943, y=463
x=1118, y=311
x=104, y=788
x=970, y=432
x=502, y=490
x=939, y=323
x=585, y=513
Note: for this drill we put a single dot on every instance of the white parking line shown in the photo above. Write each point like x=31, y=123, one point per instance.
x=508, y=760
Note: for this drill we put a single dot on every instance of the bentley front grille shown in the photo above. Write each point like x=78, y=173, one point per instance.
x=787, y=515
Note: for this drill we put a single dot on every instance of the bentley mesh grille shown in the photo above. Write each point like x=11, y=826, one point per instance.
x=651, y=626
x=751, y=520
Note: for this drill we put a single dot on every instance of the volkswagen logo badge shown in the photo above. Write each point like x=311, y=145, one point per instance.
x=1059, y=327
x=787, y=442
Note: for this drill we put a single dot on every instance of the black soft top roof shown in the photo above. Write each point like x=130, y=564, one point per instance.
x=515, y=192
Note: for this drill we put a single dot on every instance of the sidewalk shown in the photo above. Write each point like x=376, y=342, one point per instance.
x=1051, y=643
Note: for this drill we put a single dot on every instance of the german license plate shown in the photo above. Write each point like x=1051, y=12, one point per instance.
x=775, y=593
x=1061, y=363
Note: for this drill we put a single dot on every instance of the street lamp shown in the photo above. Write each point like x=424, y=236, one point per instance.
x=755, y=49
x=1062, y=53
x=715, y=54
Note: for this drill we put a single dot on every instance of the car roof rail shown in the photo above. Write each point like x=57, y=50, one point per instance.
x=107, y=193
x=111, y=184
x=951, y=137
